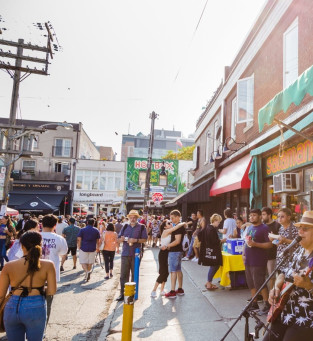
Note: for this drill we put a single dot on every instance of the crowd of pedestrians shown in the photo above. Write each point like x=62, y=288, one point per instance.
x=36, y=248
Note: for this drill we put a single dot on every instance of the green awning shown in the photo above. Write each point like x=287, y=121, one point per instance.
x=255, y=175
x=282, y=101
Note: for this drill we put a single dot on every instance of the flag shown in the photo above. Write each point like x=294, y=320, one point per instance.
x=178, y=142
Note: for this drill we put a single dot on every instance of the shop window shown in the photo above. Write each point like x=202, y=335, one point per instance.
x=245, y=100
x=29, y=166
x=291, y=54
x=102, y=180
x=94, y=180
x=117, y=183
x=87, y=178
x=110, y=182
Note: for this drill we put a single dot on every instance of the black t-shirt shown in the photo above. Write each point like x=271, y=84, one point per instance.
x=192, y=227
x=179, y=247
x=273, y=228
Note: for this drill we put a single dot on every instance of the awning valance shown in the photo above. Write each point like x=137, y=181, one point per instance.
x=36, y=204
x=233, y=177
x=282, y=101
x=17, y=199
x=197, y=194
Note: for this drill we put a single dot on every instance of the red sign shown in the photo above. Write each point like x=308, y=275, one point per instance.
x=157, y=197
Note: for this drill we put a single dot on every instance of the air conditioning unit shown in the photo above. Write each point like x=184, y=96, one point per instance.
x=286, y=182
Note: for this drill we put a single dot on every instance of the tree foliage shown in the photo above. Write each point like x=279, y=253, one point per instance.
x=184, y=153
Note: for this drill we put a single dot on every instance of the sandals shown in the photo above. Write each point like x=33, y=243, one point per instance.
x=212, y=287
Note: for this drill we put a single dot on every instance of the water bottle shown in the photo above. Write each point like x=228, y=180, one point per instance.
x=225, y=247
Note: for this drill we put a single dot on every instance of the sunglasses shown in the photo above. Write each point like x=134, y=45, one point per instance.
x=303, y=228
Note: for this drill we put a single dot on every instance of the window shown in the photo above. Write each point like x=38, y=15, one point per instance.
x=94, y=180
x=291, y=54
x=63, y=147
x=29, y=166
x=233, y=118
x=245, y=100
x=102, y=180
x=35, y=142
x=79, y=179
x=87, y=178
x=216, y=142
x=207, y=147
x=60, y=167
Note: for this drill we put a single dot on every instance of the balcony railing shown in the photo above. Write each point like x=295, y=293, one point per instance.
x=62, y=151
x=41, y=176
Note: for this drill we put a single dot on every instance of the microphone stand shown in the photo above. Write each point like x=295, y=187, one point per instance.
x=245, y=313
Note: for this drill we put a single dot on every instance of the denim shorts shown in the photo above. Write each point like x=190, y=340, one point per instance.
x=25, y=315
x=174, y=261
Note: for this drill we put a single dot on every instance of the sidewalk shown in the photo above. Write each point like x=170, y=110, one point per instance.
x=199, y=315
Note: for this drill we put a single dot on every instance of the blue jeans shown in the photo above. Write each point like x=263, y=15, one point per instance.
x=212, y=271
x=190, y=251
x=174, y=261
x=25, y=315
x=3, y=252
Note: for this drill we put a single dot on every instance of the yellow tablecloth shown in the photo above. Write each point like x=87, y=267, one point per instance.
x=230, y=263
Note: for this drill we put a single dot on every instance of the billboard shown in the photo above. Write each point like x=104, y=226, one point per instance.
x=137, y=168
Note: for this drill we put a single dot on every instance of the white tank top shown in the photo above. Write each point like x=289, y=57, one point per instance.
x=165, y=241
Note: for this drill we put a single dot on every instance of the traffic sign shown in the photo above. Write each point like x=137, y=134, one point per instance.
x=157, y=197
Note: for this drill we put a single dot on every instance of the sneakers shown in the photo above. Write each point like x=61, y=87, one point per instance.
x=74, y=267
x=163, y=293
x=180, y=292
x=111, y=275
x=254, y=306
x=195, y=259
x=265, y=309
x=106, y=278
x=171, y=294
x=61, y=268
x=153, y=294
x=185, y=258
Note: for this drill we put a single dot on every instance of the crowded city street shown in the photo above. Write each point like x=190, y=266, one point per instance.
x=156, y=170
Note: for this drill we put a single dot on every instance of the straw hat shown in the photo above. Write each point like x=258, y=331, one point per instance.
x=133, y=212
x=306, y=220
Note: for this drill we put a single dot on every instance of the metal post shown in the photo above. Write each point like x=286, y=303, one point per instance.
x=136, y=271
x=12, y=120
x=153, y=116
x=128, y=311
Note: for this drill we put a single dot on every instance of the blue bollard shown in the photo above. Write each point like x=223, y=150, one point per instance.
x=136, y=271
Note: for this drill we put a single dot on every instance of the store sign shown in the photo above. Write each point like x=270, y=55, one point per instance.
x=40, y=187
x=96, y=197
x=291, y=158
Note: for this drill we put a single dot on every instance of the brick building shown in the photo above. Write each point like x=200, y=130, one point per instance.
x=230, y=143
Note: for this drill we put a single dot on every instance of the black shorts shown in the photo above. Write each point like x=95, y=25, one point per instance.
x=255, y=276
x=72, y=250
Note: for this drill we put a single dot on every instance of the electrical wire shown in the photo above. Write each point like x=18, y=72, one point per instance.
x=193, y=36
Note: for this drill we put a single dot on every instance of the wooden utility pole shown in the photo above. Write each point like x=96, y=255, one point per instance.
x=12, y=132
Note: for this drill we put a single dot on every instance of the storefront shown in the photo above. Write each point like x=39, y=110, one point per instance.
x=232, y=187
x=40, y=197
x=288, y=178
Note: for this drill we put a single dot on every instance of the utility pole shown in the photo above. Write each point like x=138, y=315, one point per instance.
x=152, y=116
x=12, y=132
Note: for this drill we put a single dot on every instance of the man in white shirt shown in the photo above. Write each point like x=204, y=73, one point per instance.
x=61, y=225
x=53, y=246
x=229, y=225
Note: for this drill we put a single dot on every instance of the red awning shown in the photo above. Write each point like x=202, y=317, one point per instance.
x=232, y=177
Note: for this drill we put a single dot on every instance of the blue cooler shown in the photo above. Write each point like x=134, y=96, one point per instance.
x=235, y=246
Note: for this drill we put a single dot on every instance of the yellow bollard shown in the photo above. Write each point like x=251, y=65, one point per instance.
x=128, y=310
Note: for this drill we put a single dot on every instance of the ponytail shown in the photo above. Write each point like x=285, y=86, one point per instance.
x=31, y=240
x=33, y=257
